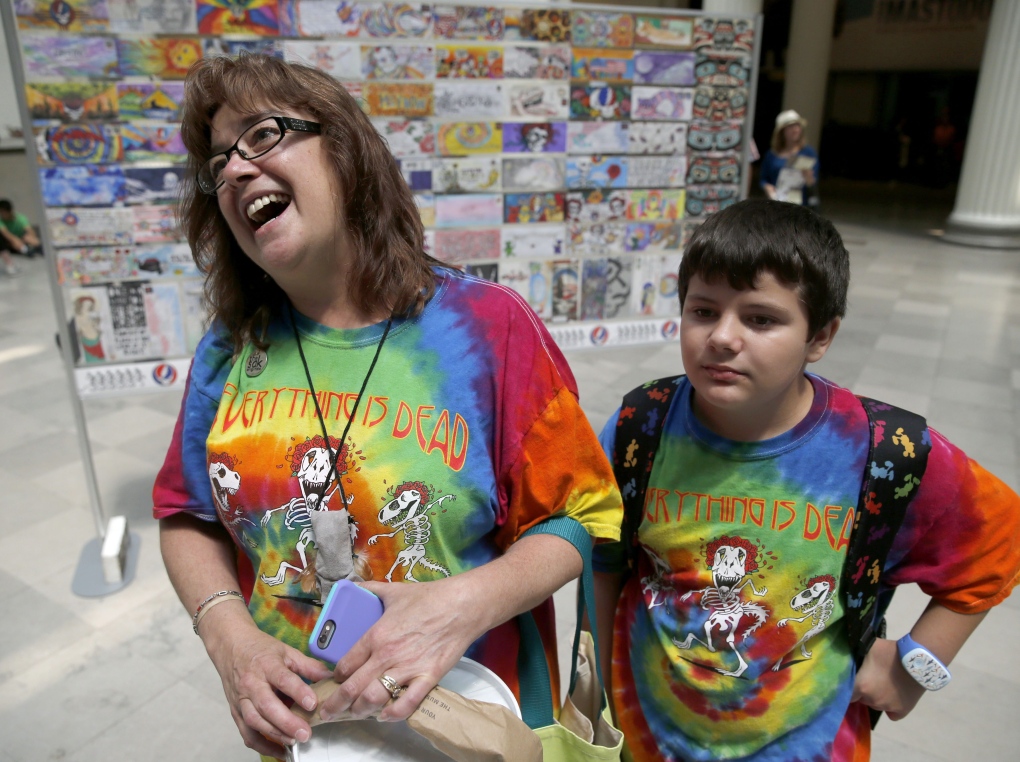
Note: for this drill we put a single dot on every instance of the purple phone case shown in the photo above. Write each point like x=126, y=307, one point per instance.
x=352, y=610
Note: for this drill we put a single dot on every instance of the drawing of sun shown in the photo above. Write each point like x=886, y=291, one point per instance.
x=233, y=16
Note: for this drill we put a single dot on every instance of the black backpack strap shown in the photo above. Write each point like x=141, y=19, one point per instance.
x=897, y=458
x=638, y=430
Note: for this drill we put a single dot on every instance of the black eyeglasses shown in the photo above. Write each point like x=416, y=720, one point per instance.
x=258, y=140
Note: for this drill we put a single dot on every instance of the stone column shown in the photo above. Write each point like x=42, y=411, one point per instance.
x=807, y=62
x=736, y=7
x=987, y=210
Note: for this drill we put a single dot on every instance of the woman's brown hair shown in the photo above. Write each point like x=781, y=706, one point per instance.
x=389, y=267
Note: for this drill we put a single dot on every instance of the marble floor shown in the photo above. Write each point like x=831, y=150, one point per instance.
x=931, y=327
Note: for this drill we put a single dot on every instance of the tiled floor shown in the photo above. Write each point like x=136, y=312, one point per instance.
x=931, y=327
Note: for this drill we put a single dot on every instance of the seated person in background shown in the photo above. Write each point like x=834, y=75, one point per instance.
x=732, y=633
x=16, y=233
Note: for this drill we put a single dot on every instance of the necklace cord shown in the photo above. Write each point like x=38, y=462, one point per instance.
x=318, y=410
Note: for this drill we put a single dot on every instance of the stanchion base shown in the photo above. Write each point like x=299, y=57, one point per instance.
x=88, y=579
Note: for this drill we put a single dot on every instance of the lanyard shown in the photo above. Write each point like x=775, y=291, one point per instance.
x=334, y=457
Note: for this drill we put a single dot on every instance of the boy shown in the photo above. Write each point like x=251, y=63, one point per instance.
x=730, y=638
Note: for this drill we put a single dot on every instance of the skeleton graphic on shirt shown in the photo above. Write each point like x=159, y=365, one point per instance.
x=225, y=481
x=310, y=463
x=408, y=513
x=732, y=560
x=656, y=583
x=816, y=602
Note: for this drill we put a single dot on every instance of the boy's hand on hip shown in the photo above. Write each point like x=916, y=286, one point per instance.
x=883, y=684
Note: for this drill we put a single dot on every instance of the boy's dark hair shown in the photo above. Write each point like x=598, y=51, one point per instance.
x=793, y=243
x=6, y=206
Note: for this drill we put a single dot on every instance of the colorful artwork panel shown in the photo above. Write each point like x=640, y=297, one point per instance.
x=162, y=58
x=51, y=57
x=714, y=167
x=396, y=19
x=712, y=70
x=357, y=91
x=659, y=67
x=237, y=17
x=233, y=48
x=709, y=136
x=593, y=288
x=408, y=100
x=655, y=236
x=407, y=137
x=155, y=223
x=534, y=241
x=468, y=138
x=72, y=101
x=338, y=59
x=537, y=62
x=468, y=22
x=398, y=62
x=597, y=172
x=426, y=203
x=469, y=62
x=619, y=281
x=538, y=99
x=602, y=30
x=664, y=32
x=153, y=16
x=566, y=287
x=602, y=65
x=149, y=185
x=533, y=207
x=594, y=206
x=151, y=141
x=703, y=200
x=150, y=101
x=600, y=101
x=598, y=137
x=655, y=286
x=716, y=104
x=657, y=138
x=456, y=246
x=467, y=99
x=544, y=25
x=467, y=175
x=600, y=239
x=326, y=18
x=82, y=185
x=469, y=210
x=534, y=173
x=534, y=137
x=168, y=260
x=652, y=205
x=486, y=271
x=532, y=280
x=417, y=173
x=63, y=15
x=663, y=103
x=83, y=226
x=728, y=37
x=84, y=144
x=657, y=171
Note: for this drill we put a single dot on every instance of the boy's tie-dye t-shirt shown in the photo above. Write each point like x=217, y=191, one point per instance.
x=729, y=640
x=468, y=433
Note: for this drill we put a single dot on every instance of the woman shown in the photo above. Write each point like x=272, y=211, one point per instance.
x=789, y=171
x=354, y=389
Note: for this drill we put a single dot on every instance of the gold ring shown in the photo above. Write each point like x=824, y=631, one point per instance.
x=392, y=686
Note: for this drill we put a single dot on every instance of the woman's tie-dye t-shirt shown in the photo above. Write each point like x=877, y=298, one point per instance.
x=469, y=432
x=729, y=641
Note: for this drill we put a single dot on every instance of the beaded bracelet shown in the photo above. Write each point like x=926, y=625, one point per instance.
x=212, y=600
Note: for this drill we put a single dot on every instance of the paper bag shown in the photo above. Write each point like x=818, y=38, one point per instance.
x=463, y=729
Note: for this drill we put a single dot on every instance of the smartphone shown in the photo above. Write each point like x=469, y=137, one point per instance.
x=346, y=615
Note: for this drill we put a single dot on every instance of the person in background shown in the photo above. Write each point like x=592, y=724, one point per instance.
x=356, y=411
x=789, y=171
x=16, y=236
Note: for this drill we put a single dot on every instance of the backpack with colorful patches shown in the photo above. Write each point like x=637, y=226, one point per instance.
x=897, y=457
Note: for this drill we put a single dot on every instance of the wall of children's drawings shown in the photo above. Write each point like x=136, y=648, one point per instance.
x=565, y=151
